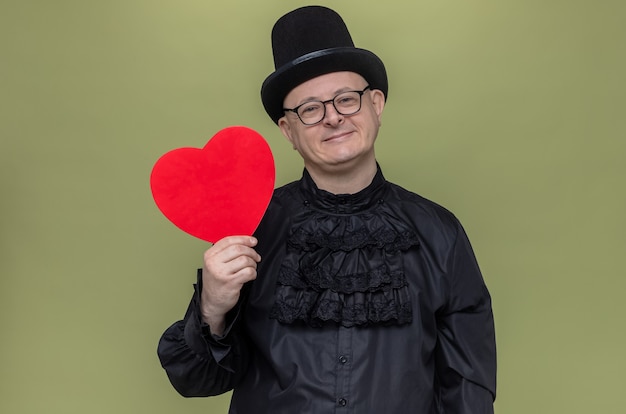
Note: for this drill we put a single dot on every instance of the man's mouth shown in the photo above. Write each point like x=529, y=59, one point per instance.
x=337, y=136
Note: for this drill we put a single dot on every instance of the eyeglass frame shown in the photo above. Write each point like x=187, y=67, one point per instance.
x=324, y=103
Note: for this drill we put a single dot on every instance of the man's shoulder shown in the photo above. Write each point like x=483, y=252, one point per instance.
x=285, y=197
x=286, y=192
x=419, y=207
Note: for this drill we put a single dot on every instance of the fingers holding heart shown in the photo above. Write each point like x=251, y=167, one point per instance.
x=229, y=264
x=231, y=255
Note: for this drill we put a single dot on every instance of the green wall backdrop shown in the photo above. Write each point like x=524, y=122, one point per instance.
x=510, y=113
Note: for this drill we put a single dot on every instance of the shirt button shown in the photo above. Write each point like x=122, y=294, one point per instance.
x=343, y=359
x=342, y=402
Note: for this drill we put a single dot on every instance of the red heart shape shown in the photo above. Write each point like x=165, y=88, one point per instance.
x=220, y=190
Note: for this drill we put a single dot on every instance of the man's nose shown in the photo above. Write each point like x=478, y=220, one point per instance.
x=331, y=115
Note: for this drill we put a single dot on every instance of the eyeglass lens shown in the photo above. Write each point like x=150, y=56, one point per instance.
x=347, y=103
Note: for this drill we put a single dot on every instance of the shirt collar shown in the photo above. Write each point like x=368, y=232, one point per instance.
x=344, y=203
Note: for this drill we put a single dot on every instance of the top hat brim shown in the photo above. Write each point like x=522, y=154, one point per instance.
x=276, y=86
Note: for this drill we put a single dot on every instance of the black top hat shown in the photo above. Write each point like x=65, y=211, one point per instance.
x=309, y=42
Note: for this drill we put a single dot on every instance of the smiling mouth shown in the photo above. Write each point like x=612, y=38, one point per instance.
x=337, y=136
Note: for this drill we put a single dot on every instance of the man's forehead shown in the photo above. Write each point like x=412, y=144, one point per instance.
x=325, y=85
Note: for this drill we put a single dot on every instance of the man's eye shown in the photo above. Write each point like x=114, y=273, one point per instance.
x=307, y=109
x=345, y=100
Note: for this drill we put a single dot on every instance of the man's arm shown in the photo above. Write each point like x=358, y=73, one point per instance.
x=199, y=363
x=466, y=349
x=205, y=353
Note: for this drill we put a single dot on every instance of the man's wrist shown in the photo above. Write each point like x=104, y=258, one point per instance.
x=216, y=321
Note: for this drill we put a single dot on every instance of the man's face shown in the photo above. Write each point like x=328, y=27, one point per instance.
x=338, y=142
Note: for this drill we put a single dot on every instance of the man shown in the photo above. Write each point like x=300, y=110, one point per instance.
x=355, y=295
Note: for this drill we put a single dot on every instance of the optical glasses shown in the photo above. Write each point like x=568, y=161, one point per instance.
x=313, y=112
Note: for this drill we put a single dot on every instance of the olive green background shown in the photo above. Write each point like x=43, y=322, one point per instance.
x=509, y=113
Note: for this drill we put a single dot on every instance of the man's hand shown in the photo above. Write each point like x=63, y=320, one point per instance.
x=228, y=264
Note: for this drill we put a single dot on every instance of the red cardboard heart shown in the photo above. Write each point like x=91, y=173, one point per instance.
x=220, y=190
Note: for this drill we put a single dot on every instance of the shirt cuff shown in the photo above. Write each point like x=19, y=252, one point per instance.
x=198, y=334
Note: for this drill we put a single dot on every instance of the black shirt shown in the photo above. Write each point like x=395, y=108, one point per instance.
x=365, y=303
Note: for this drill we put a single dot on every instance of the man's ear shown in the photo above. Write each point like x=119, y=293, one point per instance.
x=378, y=100
x=285, y=129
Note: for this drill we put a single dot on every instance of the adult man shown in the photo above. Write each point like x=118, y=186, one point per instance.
x=355, y=295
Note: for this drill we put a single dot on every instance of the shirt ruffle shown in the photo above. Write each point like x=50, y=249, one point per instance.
x=345, y=269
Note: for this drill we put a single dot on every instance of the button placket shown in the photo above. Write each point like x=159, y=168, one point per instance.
x=344, y=369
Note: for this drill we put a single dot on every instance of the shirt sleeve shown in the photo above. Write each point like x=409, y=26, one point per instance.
x=197, y=362
x=466, y=349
